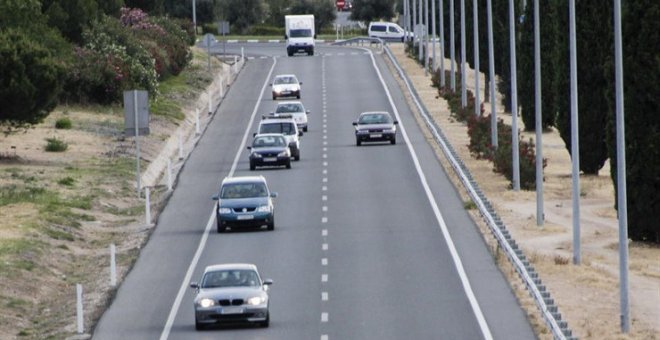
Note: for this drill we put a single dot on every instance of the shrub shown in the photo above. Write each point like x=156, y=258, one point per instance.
x=503, y=158
x=63, y=123
x=55, y=145
x=265, y=30
x=66, y=181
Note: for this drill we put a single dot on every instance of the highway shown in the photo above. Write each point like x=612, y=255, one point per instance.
x=360, y=247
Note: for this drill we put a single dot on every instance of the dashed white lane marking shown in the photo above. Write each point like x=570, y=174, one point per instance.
x=325, y=142
x=324, y=219
x=324, y=261
x=324, y=246
x=341, y=53
x=324, y=277
x=325, y=163
x=324, y=208
x=325, y=137
x=324, y=198
x=324, y=317
x=324, y=188
x=324, y=337
x=324, y=296
x=325, y=126
x=325, y=149
x=325, y=131
x=324, y=232
x=325, y=155
x=325, y=179
x=325, y=171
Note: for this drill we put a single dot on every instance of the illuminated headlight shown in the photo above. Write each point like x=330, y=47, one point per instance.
x=255, y=301
x=206, y=303
x=224, y=211
x=264, y=208
x=284, y=153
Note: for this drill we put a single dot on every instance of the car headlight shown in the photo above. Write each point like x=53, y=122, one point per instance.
x=255, y=301
x=256, y=155
x=389, y=130
x=264, y=208
x=206, y=303
x=284, y=153
x=224, y=211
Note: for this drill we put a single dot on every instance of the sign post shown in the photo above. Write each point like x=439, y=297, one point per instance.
x=223, y=28
x=136, y=121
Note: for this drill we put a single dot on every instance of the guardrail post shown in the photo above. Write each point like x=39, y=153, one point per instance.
x=79, y=309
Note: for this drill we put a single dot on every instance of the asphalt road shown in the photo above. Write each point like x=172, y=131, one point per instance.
x=358, y=251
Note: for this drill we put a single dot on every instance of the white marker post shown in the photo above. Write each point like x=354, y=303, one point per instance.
x=210, y=103
x=113, y=266
x=147, y=206
x=169, y=175
x=180, y=145
x=79, y=309
x=197, y=132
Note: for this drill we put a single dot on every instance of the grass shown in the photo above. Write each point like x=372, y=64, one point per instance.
x=19, y=254
x=63, y=123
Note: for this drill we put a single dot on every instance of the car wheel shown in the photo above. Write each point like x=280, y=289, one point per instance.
x=252, y=166
x=305, y=129
x=221, y=229
x=297, y=156
x=271, y=225
x=274, y=97
x=393, y=141
x=358, y=142
x=298, y=96
x=198, y=326
x=288, y=164
x=265, y=323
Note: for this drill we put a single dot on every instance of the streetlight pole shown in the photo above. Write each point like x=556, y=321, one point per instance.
x=575, y=149
x=539, y=126
x=463, y=73
x=433, y=66
x=452, y=48
x=475, y=23
x=194, y=16
x=491, y=73
x=442, y=44
x=514, y=99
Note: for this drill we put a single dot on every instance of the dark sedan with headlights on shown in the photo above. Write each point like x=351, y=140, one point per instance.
x=375, y=127
x=245, y=201
x=230, y=293
x=269, y=149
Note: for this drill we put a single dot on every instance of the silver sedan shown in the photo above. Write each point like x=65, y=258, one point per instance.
x=231, y=293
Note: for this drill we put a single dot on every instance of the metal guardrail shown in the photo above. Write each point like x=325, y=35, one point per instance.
x=360, y=41
x=514, y=253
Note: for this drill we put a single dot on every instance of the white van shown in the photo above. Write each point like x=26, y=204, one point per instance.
x=386, y=31
x=299, y=34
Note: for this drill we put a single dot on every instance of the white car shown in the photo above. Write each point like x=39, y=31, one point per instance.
x=286, y=85
x=296, y=110
x=386, y=31
x=285, y=125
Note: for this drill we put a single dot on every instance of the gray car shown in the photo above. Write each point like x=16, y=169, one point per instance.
x=375, y=127
x=231, y=293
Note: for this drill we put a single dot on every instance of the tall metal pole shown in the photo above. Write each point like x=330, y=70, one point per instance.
x=435, y=63
x=426, y=37
x=420, y=21
x=622, y=201
x=491, y=75
x=575, y=148
x=463, y=73
x=537, y=103
x=514, y=99
x=414, y=21
x=405, y=20
x=137, y=141
x=194, y=16
x=475, y=23
x=442, y=44
x=452, y=48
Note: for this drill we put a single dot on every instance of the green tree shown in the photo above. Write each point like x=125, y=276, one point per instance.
x=372, y=10
x=526, y=68
x=594, y=46
x=641, y=71
x=29, y=80
x=275, y=12
x=242, y=13
x=71, y=17
x=153, y=7
x=324, y=11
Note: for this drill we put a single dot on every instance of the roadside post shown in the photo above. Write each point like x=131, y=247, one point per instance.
x=79, y=309
x=208, y=40
x=223, y=29
x=136, y=122
x=113, y=266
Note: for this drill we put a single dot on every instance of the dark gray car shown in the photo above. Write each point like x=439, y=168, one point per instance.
x=375, y=127
x=230, y=293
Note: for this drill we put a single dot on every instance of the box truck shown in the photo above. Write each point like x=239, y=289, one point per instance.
x=299, y=34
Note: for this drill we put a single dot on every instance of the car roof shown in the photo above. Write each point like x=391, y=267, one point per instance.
x=243, y=179
x=287, y=102
x=230, y=266
x=375, y=112
x=277, y=120
x=269, y=135
x=285, y=75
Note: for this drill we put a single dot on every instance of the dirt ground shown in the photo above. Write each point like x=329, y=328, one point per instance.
x=587, y=294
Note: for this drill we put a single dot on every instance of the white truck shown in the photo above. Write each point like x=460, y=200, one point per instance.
x=299, y=34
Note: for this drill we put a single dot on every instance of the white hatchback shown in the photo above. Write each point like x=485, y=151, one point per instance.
x=296, y=110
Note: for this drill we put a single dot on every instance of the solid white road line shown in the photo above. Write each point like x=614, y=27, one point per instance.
x=485, y=330
x=202, y=242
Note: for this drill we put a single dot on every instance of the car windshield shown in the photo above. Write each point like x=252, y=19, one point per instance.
x=268, y=141
x=285, y=80
x=243, y=190
x=301, y=33
x=375, y=118
x=289, y=108
x=283, y=128
x=230, y=278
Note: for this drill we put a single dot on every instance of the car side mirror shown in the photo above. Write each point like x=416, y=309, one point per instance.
x=300, y=83
x=300, y=133
x=354, y=123
x=273, y=194
x=396, y=122
x=254, y=134
x=249, y=148
x=194, y=285
x=270, y=84
x=307, y=112
x=215, y=197
x=286, y=37
x=268, y=282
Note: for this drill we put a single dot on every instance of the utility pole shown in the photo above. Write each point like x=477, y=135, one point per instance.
x=463, y=73
x=575, y=147
x=452, y=48
x=491, y=75
x=538, y=117
x=514, y=99
x=475, y=23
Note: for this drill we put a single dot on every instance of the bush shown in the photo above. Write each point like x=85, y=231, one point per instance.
x=55, y=145
x=63, y=123
x=66, y=181
x=265, y=30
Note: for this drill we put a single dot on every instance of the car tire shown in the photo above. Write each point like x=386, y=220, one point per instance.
x=252, y=166
x=297, y=156
x=274, y=97
x=288, y=164
x=358, y=142
x=305, y=129
x=221, y=229
x=271, y=226
x=298, y=96
x=265, y=323
x=198, y=326
x=393, y=141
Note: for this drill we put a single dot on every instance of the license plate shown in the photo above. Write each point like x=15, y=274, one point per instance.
x=375, y=135
x=245, y=217
x=270, y=159
x=231, y=310
x=286, y=92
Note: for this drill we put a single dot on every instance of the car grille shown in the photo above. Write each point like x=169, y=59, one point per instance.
x=247, y=209
x=227, y=302
x=268, y=154
x=375, y=130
